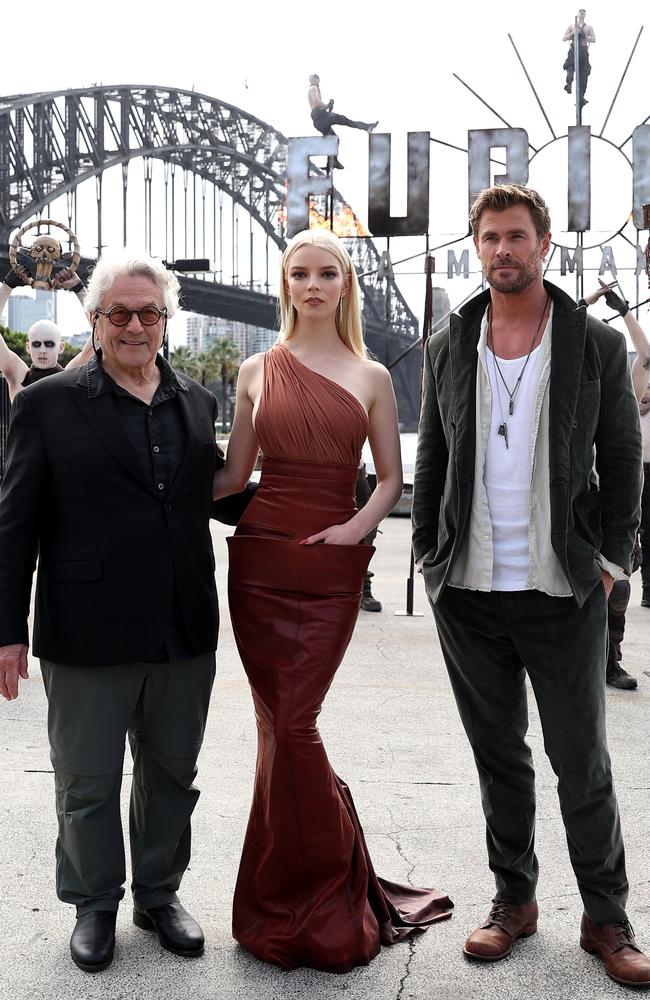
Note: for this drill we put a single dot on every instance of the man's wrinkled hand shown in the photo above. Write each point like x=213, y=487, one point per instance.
x=13, y=665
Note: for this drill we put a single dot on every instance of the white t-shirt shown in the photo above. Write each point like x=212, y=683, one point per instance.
x=508, y=470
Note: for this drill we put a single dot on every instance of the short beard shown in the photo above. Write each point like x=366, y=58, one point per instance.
x=525, y=276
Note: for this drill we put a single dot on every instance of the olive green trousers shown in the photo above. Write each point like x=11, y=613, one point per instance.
x=163, y=708
x=491, y=642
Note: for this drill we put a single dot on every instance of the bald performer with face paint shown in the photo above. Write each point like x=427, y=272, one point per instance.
x=45, y=344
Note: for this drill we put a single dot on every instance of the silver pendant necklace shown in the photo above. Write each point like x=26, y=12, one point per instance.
x=502, y=429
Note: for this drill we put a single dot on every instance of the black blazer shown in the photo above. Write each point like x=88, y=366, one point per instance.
x=592, y=414
x=109, y=549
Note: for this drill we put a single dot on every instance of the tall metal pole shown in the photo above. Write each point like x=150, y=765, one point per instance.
x=98, y=197
x=193, y=214
x=580, y=278
x=387, y=310
x=185, y=183
x=232, y=238
x=204, y=186
x=214, y=230
x=173, y=253
x=166, y=181
x=266, y=278
x=220, y=235
x=125, y=184
x=429, y=267
x=250, y=235
x=576, y=71
x=146, y=205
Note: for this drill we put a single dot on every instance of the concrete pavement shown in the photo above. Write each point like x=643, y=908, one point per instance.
x=392, y=730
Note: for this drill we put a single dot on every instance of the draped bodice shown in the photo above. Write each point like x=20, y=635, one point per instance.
x=305, y=416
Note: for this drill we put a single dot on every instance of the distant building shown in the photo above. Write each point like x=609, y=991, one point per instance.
x=195, y=333
x=240, y=338
x=78, y=339
x=260, y=339
x=204, y=331
x=25, y=310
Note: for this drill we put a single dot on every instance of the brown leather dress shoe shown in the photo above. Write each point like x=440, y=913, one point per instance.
x=624, y=961
x=505, y=923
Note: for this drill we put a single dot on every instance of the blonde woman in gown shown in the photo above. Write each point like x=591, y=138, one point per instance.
x=307, y=894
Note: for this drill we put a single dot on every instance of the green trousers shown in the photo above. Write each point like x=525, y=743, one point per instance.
x=162, y=707
x=490, y=641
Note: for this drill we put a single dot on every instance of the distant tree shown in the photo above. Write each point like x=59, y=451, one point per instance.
x=69, y=352
x=214, y=368
x=206, y=367
x=16, y=342
x=184, y=360
x=226, y=360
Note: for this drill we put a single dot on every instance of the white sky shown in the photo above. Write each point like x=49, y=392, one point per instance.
x=378, y=59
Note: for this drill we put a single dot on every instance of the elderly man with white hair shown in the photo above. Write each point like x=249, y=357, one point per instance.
x=109, y=478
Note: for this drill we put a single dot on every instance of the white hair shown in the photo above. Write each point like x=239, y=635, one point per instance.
x=142, y=265
x=44, y=328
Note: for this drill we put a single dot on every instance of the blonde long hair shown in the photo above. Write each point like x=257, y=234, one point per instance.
x=348, y=315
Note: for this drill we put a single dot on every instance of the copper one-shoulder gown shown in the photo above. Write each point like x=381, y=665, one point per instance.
x=306, y=893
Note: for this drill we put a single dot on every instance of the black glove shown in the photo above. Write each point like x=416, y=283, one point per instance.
x=615, y=301
x=13, y=280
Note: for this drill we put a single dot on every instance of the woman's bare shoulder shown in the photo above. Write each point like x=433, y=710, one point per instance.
x=377, y=373
x=252, y=366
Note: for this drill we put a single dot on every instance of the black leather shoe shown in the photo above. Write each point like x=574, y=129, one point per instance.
x=93, y=940
x=618, y=678
x=177, y=931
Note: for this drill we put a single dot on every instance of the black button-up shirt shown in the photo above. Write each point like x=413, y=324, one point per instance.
x=155, y=430
x=158, y=436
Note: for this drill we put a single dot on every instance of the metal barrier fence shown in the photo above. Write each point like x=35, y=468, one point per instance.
x=4, y=423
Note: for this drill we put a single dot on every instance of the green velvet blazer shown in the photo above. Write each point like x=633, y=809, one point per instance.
x=595, y=468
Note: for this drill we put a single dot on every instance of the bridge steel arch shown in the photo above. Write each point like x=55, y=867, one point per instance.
x=51, y=143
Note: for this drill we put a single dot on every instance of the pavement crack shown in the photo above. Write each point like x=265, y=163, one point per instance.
x=400, y=850
x=407, y=968
x=386, y=655
x=397, y=781
x=558, y=895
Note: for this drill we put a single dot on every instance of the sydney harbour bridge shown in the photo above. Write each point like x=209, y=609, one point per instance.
x=210, y=182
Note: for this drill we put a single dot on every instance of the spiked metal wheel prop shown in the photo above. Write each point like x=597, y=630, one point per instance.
x=45, y=253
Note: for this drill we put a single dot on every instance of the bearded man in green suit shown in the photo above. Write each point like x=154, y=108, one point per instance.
x=525, y=509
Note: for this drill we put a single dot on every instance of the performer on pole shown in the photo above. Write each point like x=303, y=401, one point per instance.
x=323, y=117
x=586, y=37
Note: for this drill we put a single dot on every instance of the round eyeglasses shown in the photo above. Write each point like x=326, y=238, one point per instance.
x=121, y=316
